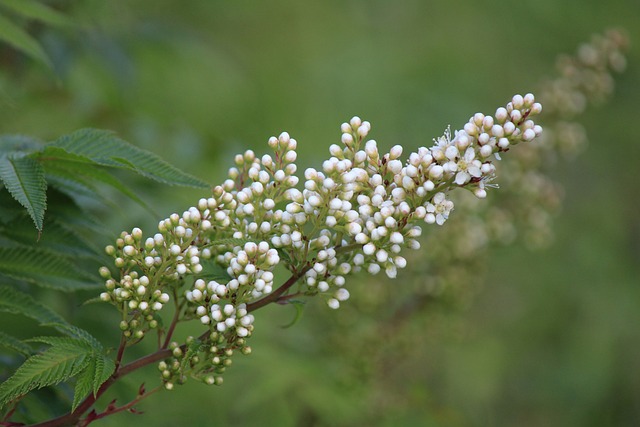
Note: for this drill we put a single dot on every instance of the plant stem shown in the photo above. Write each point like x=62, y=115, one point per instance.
x=163, y=353
x=73, y=417
x=174, y=322
x=273, y=296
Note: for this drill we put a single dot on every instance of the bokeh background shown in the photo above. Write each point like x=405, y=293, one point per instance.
x=548, y=338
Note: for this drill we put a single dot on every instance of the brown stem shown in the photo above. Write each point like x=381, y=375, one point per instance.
x=73, y=417
x=273, y=296
x=124, y=407
x=174, y=322
x=121, y=347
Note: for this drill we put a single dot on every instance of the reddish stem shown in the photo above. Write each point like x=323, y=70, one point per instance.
x=275, y=295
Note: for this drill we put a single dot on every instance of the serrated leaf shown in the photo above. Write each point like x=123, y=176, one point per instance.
x=62, y=342
x=83, y=172
x=97, y=372
x=78, y=333
x=37, y=11
x=43, y=268
x=105, y=366
x=53, y=366
x=192, y=350
x=19, y=39
x=84, y=384
x=56, y=237
x=24, y=178
x=82, y=192
x=14, y=343
x=106, y=149
x=68, y=213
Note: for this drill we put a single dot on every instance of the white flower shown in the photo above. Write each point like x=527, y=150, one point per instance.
x=468, y=166
x=438, y=209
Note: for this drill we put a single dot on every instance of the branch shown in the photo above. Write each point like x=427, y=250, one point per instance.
x=275, y=295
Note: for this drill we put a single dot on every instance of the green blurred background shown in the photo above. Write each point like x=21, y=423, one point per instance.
x=552, y=338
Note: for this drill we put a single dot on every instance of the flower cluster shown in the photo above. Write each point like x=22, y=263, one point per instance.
x=358, y=211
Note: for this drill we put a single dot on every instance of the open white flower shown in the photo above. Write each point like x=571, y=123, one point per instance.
x=468, y=166
x=438, y=209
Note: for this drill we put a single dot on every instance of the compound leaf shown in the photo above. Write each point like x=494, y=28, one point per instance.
x=53, y=366
x=24, y=178
x=106, y=149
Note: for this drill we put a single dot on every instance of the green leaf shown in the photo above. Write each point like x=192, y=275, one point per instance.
x=78, y=333
x=16, y=302
x=54, y=365
x=62, y=342
x=97, y=372
x=82, y=192
x=70, y=214
x=14, y=343
x=211, y=270
x=83, y=172
x=44, y=269
x=15, y=36
x=192, y=350
x=84, y=384
x=104, y=148
x=105, y=366
x=24, y=178
x=37, y=11
x=57, y=237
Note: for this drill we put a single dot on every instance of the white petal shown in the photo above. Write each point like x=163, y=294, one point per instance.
x=474, y=171
x=462, y=178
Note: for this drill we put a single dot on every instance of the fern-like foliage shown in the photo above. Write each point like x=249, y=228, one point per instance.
x=101, y=147
x=56, y=364
x=96, y=373
x=77, y=354
x=75, y=164
x=23, y=177
x=57, y=178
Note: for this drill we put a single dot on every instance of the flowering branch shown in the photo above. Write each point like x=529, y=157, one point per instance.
x=217, y=260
